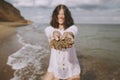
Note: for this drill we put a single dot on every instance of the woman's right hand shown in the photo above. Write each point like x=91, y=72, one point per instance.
x=56, y=35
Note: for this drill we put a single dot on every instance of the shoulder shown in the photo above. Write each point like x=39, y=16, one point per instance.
x=72, y=29
x=73, y=26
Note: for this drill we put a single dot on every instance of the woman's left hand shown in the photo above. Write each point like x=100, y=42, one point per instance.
x=68, y=35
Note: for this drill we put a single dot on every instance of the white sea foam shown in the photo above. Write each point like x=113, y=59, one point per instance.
x=27, y=44
x=30, y=61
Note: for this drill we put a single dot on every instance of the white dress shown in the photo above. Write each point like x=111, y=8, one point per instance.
x=63, y=63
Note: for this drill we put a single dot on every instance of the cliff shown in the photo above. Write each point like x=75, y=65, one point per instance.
x=8, y=13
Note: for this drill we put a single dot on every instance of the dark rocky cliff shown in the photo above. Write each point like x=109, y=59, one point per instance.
x=9, y=13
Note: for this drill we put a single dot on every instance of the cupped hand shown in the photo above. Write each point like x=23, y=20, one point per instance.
x=68, y=35
x=56, y=35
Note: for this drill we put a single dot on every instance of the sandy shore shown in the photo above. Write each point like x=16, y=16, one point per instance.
x=8, y=45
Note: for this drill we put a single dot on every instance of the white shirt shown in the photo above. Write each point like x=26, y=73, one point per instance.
x=63, y=63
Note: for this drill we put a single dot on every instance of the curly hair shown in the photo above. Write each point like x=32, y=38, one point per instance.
x=68, y=18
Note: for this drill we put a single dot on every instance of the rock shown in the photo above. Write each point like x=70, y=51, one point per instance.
x=8, y=13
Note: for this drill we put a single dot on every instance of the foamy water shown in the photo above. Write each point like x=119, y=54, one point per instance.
x=30, y=61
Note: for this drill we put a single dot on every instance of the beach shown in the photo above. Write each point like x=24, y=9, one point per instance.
x=25, y=50
x=8, y=45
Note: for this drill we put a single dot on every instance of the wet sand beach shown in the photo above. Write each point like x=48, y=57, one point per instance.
x=8, y=45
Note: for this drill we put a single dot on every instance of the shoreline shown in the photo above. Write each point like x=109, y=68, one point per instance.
x=8, y=45
x=16, y=24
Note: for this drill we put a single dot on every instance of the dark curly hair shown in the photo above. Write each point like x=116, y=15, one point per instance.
x=68, y=18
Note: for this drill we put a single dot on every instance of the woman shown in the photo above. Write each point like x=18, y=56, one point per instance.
x=63, y=63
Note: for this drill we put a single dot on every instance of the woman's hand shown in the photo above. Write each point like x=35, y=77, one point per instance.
x=56, y=35
x=65, y=41
x=68, y=35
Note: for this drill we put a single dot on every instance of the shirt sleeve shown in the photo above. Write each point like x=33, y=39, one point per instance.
x=49, y=32
x=73, y=29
